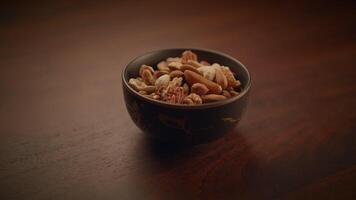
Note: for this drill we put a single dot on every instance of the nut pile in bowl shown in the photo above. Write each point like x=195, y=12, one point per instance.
x=186, y=80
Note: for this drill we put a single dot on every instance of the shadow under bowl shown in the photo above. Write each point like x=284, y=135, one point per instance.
x=188, y=124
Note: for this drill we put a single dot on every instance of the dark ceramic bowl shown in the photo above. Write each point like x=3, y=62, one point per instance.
x=183, y=123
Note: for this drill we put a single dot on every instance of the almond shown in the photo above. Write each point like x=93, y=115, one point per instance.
x=199, y=89
x=189, y=67
x=212, y=98
x=220, y=78
x=176, y=73
x=186, y=88
x=192, y=77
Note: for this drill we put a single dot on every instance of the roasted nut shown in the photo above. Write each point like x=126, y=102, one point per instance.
x=137, y=84
x=158, y=74
x=186, y=88
x=177, y=81
x=208, y=72
x=199, y=89
x=192, y=99
x=220, y=78
x=176, y=59
x=234, y=93
x=147, y=77
x=192, y=77
x=153, y=96
x=205, y=63
x=226, y=93
x=216, y=65
x=212, y=98
x=143, y=67
x=149, y=89
x=142, y=92
x=189, y=55
x=176, y=96
x=163, y=81
x=176, y=73
x=163, y=66
x=185, y=80
x=194, y=63
x=174, y=66
x=232, y=82
x=189, y=67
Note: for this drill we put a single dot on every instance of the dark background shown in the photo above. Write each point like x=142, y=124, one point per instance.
x=65, y=133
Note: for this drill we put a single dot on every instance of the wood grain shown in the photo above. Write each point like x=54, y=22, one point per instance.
x=65, y=133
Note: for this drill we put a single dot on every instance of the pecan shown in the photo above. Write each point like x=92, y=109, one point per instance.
x=212, y=98
x=220, y=78
x=192, y=99
x=192, y=77
x=199, y=89
x=189, y=55
x=176, y=95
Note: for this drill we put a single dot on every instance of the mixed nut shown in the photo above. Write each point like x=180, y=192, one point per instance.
x=185, y=80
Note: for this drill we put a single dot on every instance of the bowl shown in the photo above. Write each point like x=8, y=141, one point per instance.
x=193, y=124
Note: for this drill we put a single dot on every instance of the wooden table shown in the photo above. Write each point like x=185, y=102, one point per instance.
x=65, y=133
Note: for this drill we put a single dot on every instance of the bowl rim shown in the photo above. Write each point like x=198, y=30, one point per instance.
x=184, y=106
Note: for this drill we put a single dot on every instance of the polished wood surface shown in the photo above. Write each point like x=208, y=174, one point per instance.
x=65, y=133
